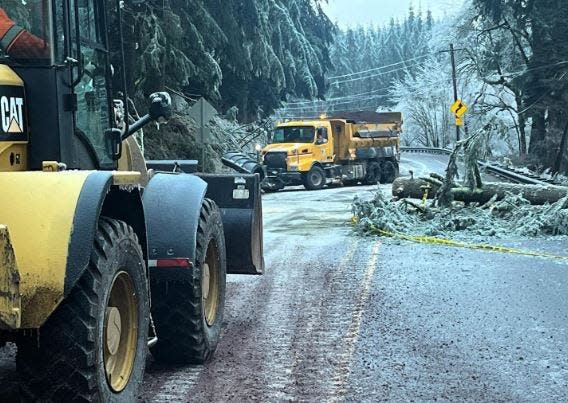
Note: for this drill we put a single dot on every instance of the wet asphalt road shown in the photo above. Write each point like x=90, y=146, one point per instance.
x=338, y=317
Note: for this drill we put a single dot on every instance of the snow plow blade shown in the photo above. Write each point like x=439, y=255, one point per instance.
x=238, y=197
x=243, y=163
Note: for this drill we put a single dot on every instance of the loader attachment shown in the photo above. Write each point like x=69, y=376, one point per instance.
x=238, y=197
x=10, y=299
x=243, y=163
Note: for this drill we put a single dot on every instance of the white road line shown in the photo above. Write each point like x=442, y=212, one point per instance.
x=352, y=336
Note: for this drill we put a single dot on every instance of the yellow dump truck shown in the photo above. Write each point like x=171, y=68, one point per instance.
x=345, y=148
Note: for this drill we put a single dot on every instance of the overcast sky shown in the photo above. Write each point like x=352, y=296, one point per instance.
x=379, y=12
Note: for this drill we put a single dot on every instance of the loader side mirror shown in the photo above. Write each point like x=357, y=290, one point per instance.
x=160, y=106
x=160, y=111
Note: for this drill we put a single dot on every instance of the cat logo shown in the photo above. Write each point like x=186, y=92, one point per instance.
x=12, y=114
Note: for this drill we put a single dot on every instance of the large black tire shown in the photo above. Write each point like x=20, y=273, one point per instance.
x=373, y=173
x=189, y=326
x=314, y=179
x=67, y=359
x=389, y=172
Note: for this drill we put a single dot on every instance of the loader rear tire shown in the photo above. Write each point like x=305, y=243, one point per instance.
x=314, y=179
x=188, y=314
x=93, y=347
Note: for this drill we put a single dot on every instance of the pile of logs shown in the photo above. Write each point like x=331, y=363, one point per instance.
x=409, y=187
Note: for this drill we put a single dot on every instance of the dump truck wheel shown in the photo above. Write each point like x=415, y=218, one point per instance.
x=389, y=172
x=314, y=179
x=188, y=314
x=93, y=347
x=373, y=173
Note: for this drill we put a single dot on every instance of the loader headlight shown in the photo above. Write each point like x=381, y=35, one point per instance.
x=258, y=148
x=294, y=151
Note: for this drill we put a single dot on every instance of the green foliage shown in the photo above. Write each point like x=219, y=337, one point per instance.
x=251, y=54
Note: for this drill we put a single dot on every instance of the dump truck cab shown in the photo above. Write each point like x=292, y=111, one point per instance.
x=296, y=146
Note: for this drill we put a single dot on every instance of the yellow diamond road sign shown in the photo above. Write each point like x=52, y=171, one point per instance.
x=459, y=108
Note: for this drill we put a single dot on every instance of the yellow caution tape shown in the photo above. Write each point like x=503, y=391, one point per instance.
x=458, y=244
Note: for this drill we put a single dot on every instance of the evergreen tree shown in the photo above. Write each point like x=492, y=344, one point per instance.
x=251, y=54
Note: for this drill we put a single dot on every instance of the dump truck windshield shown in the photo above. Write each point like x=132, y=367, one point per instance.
x=294, y=134
x=25, y=30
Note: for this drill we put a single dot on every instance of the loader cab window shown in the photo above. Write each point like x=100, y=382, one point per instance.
x=26, y=34
x=93, y=116
x=294, y=134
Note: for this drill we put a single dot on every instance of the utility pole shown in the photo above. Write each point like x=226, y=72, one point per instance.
x=454, y=79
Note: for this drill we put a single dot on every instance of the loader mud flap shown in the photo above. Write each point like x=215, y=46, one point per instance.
x=243, y=163
x=10, y=300
x=238, y=197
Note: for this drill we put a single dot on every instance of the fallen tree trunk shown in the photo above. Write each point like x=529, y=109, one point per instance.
x=535, y=194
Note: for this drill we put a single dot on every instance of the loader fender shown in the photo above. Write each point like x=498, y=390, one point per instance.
x=172, y=204
x=52, y=218
x=110, y=194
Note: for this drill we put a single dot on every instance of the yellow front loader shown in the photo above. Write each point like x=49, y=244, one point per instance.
x=87, y=233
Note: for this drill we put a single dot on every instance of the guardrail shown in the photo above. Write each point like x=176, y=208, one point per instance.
x=426, y=150
x=514, y=176
x=503, y=172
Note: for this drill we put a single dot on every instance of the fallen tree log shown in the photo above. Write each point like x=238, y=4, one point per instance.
x=536, y=194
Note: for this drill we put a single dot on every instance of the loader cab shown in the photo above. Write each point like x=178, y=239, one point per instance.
x=68, y=102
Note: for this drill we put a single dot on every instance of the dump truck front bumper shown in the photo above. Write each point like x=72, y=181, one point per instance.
x=278, y=179
x=10, y=298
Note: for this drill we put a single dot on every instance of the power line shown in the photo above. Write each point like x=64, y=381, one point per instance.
x=380, y=68
x=315, y=107
x=354, y=99
x=333, y=99
x=546, y=66
x=359, y=97
x=375, y=75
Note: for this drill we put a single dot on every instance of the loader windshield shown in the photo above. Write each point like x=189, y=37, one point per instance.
x=25, y=30
x=294, y=134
